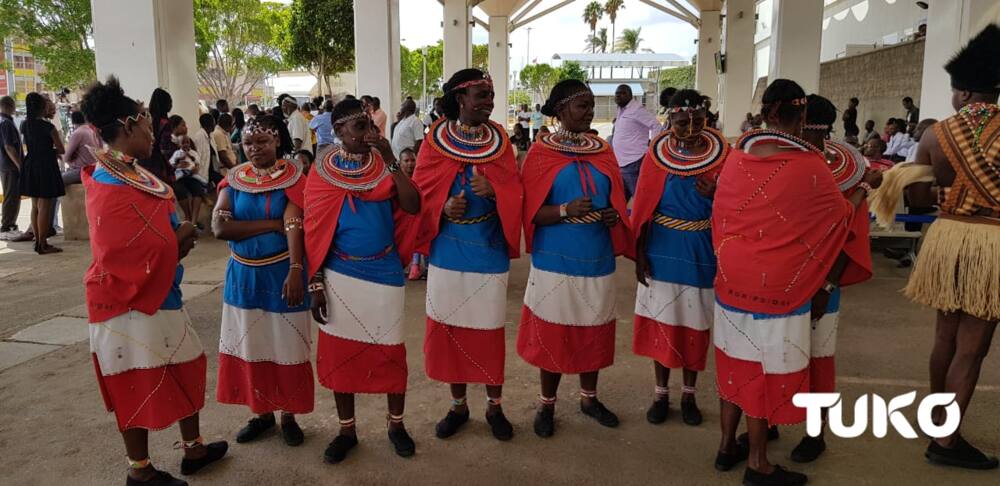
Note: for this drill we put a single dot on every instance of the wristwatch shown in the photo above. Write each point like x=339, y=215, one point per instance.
x=563, y=210
x=829, y=287
x=393, y=166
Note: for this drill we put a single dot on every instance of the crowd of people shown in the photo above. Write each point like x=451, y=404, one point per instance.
x=742, y=248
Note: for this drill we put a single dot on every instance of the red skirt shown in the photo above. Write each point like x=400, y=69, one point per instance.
x=671, y=346
x=463, y=355
x=265, y=386
x=566, y=349
x=348, y=366
x=154, y=398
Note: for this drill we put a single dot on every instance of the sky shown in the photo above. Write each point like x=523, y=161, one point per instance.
x=562, y=31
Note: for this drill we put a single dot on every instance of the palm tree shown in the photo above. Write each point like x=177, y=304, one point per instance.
x=599, y=42
x=592, y=13
x=629, y=42
x=611, y=7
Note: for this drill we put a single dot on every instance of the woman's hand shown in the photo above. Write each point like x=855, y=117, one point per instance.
x=642, y=271
x=610, y=217
x=187, y=237
x=293, y=291
x=873, y=178
x=378, y=142
x=579, y=207
x=481, y=185
x=819, y=303
x=318, y=306
x=454, y=208
x=706, y=186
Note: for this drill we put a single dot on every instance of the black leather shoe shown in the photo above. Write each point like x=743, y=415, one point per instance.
x=772, y=434
x=401, y=441
x=779, y=477
x=658, y=411
x=292, y=433
x=545, y=422
x=500, y=426
x=962, y=455
x=160, y=478
x=216, y=451
x=450, y=424
x=690, y=412
x=808, y=449
x=254, y=428
x=338, y=449
x=725, y=461
x=599, y=412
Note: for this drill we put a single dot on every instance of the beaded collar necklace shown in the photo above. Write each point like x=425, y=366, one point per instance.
x=281, y=175
x=368, y=174
x=976, y=116
x=782, y=139
x=671, y=157
x=123, y=167
x=573, y=142
x=469, y=135
x=469, y=145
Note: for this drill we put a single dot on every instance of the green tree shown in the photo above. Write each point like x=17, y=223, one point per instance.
x=592, y=13
x=321, y=38
x=518, y=97
x=572, y=70
x=629, y=40
x=678, y=77
x=598, y=42
x=238, y=42
x=59, y=34
x=481, y=57
x=611, y=7
x=539, y=79
x=412, y=73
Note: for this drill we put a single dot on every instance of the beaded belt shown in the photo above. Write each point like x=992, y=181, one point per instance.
x=260, y=262
x=351, y=258
x=591, y=217
x=479, y=219
x=682, y=224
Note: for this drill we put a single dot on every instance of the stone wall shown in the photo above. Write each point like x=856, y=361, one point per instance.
x=879, y=79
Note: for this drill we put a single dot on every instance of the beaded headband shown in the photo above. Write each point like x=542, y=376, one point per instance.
x=680, y=109
x=348, y=118
x=816, y=126
x=570, y=98
x=253, y=128
x=485, y=81
x=134, y=118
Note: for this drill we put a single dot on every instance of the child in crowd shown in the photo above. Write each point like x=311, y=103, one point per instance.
x=418, y=264
x=185, y=160
x=305, y=159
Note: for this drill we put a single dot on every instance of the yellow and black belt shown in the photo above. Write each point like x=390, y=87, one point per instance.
x=682, y=224
x=478, y=219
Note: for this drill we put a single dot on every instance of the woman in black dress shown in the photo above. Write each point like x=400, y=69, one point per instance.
x=40, y=176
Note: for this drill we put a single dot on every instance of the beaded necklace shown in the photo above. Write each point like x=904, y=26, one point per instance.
x=364, y=176
x=573, y=142
x=469, y=135
x=123, y=167
x=976, y=116
x=469, y=145
x=281, y=175
x=767, y=135
x=670, y=156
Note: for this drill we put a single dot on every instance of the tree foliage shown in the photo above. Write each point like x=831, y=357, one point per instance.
x=59, y=34
x=679, y=77
x=412, y=63
x=598, y=42
x=629, y=40
x=592, y=13
x=540, y=78
x=238, y=42
x=321, y=38
x=611, y=7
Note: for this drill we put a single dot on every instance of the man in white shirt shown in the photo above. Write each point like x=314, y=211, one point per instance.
x=409, y=131
x=634, y=126
x=524, y=117
x=205, y=147
x=298, y=126
x=536, y=120
x=899, y=141
x=910, y=154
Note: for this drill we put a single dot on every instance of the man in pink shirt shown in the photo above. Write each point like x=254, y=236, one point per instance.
x=634, y=126
x=78, y=151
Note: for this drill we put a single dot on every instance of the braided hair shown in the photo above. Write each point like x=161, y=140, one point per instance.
x=783, y=99
x=449, y=102
x=560, y=94
x=821, y=112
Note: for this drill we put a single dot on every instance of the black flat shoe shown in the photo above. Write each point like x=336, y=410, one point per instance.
x=500, y=426
x=600, y=413
x=690, y=412
x=338, y=449
x=545, y=422
x=658, y=411
x=962, y=455
x=216, y=451
x=254, y=428
x=772, y=434
x=779, y=477
x=292, y=433
x=808, y=449
x=401, y=441
x=450, y=424
x=160, y=478
x=725, y=461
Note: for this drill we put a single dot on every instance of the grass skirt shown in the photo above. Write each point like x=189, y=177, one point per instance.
x=958, y=268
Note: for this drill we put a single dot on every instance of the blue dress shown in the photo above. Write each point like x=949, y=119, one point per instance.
x=682, y=257
x=478, y=247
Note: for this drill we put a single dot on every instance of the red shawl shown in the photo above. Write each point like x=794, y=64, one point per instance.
x=434, y=176
x=541, y=166
x=778, y=225
x=323, y=203
x=134, y=249
x=858, y=248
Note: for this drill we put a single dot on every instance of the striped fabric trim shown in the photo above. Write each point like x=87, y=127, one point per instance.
x=977, y=180
x=260, y=262
x=682, y=224
x=351, y=258
x=479, y=219
x=591, y=217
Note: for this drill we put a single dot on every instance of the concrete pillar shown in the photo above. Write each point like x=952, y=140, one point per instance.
x=153, y=49
x=457, y=36
x=706, y=76
x=950, y=25
x=376, y=46
x=737, y=82
x=796, y=38
x=499, y=56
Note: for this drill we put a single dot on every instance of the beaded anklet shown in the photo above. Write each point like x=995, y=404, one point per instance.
x=662, y=391
x=588, y=393
x=189, y=444
x=347, y=423
x=688, y=390
x=140, y=464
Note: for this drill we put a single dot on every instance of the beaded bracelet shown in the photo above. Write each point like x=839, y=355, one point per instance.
x=316, y=287
x=224, y=214
x=297, y=266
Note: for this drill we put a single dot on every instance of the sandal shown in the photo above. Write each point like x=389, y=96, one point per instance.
x=338, y=449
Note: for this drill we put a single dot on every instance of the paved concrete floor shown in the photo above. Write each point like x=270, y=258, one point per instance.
x=53, y=428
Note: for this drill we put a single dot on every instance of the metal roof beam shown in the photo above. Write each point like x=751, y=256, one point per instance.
x=541, y=14
x=682, y=16
x=524, y=12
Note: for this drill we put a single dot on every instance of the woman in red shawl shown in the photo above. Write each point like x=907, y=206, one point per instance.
x=573, y=228
x=149, y=362
x=470, y=229
x=779, y=223
x=355, y=249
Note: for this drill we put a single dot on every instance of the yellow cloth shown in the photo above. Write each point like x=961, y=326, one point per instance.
x=884, y=200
